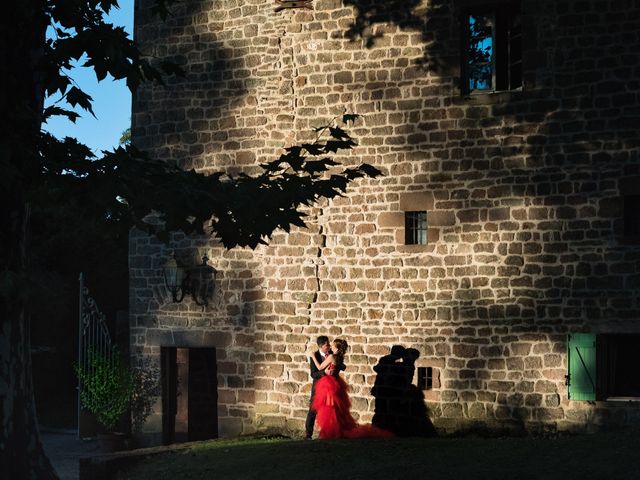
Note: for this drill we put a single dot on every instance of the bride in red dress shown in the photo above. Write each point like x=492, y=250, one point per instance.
x=331, y=401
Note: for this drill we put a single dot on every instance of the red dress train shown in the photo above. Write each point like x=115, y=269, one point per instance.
x=333, y=416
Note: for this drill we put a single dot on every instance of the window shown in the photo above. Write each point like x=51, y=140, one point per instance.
x=617, y=366
x=425, y=378
x=603, y=367
x=632, y=216
x=415, y=228
x=492, y=57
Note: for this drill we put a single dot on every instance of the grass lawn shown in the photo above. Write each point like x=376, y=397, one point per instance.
x=614, y=455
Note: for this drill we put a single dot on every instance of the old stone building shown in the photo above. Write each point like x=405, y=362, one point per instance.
x=502, y=244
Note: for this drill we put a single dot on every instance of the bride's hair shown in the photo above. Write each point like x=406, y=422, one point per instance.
x=341, y=347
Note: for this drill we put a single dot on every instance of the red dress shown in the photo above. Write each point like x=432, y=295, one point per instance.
x=333, y=417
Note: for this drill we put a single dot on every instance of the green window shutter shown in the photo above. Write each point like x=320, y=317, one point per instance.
x=581, y=360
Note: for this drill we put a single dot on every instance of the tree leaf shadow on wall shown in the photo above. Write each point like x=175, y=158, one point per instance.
x=191, y=118
x=544, y=164
x=369, y=13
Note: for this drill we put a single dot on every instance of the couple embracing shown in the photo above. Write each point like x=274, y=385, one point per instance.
x=330, y=405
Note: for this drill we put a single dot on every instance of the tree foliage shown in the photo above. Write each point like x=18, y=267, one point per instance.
x=126, y=185
x=125, y=137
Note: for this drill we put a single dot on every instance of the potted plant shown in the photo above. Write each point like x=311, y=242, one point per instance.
x=107, y=387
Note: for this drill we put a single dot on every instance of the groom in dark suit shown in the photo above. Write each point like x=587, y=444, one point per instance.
x=324, y=349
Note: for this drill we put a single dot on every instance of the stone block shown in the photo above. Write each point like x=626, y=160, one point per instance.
x=552, y=400
x=545, y=386
x=269, y=370
x=515, y=364
x=161, y=337
x=416, y=201
x=266, y=408
x=552, y=360
x=343, y=77
x=284, y=308
x=492, y=351
x=465, y=350
x=549, y=414
x=496, y=364
x=520, y=349
x=497, y=214
x=452, y=410
x=610, y=207
x=215, y=339
x=266, y=422
x=229, y=427
x=441, y=218
x=264, y=384
x=500, y=386
x=469, y=215
x=391, y=219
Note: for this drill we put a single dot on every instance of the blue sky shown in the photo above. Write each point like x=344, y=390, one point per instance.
x=111, y=101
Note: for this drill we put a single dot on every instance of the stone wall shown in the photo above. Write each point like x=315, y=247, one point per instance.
x=523, y=192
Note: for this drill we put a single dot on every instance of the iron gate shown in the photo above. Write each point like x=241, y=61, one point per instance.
x=93, y=334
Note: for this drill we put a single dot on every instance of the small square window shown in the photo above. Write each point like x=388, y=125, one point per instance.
x=425, y=378
x=632, y=216
x=492, y=56
x=415, y=228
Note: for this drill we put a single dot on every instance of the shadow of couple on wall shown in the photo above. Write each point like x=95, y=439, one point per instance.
x=399, y=404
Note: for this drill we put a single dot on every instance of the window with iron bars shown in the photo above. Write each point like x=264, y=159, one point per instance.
x=415, y=228
x=425, y=378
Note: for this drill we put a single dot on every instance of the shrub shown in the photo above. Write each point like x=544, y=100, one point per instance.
x=107, y=386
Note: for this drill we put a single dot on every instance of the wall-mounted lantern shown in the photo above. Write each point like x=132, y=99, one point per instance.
x=198, y=281
x=284, y=4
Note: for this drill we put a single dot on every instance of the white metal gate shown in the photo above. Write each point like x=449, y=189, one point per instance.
x=93, y=334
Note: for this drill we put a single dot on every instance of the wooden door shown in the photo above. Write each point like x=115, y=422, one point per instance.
x=189, y=394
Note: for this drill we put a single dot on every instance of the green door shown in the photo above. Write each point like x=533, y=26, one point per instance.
x=581, y=360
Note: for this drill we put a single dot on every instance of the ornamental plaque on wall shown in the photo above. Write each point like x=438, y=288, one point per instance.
x=283, y=4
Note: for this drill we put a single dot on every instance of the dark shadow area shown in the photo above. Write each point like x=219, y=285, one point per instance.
x=374, y=18
x=190, y=118
x=78, y=245
x=399, y=404
x=189, y=394
x=370, y=13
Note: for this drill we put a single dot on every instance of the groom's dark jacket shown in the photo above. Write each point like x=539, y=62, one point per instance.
x=318, y=374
